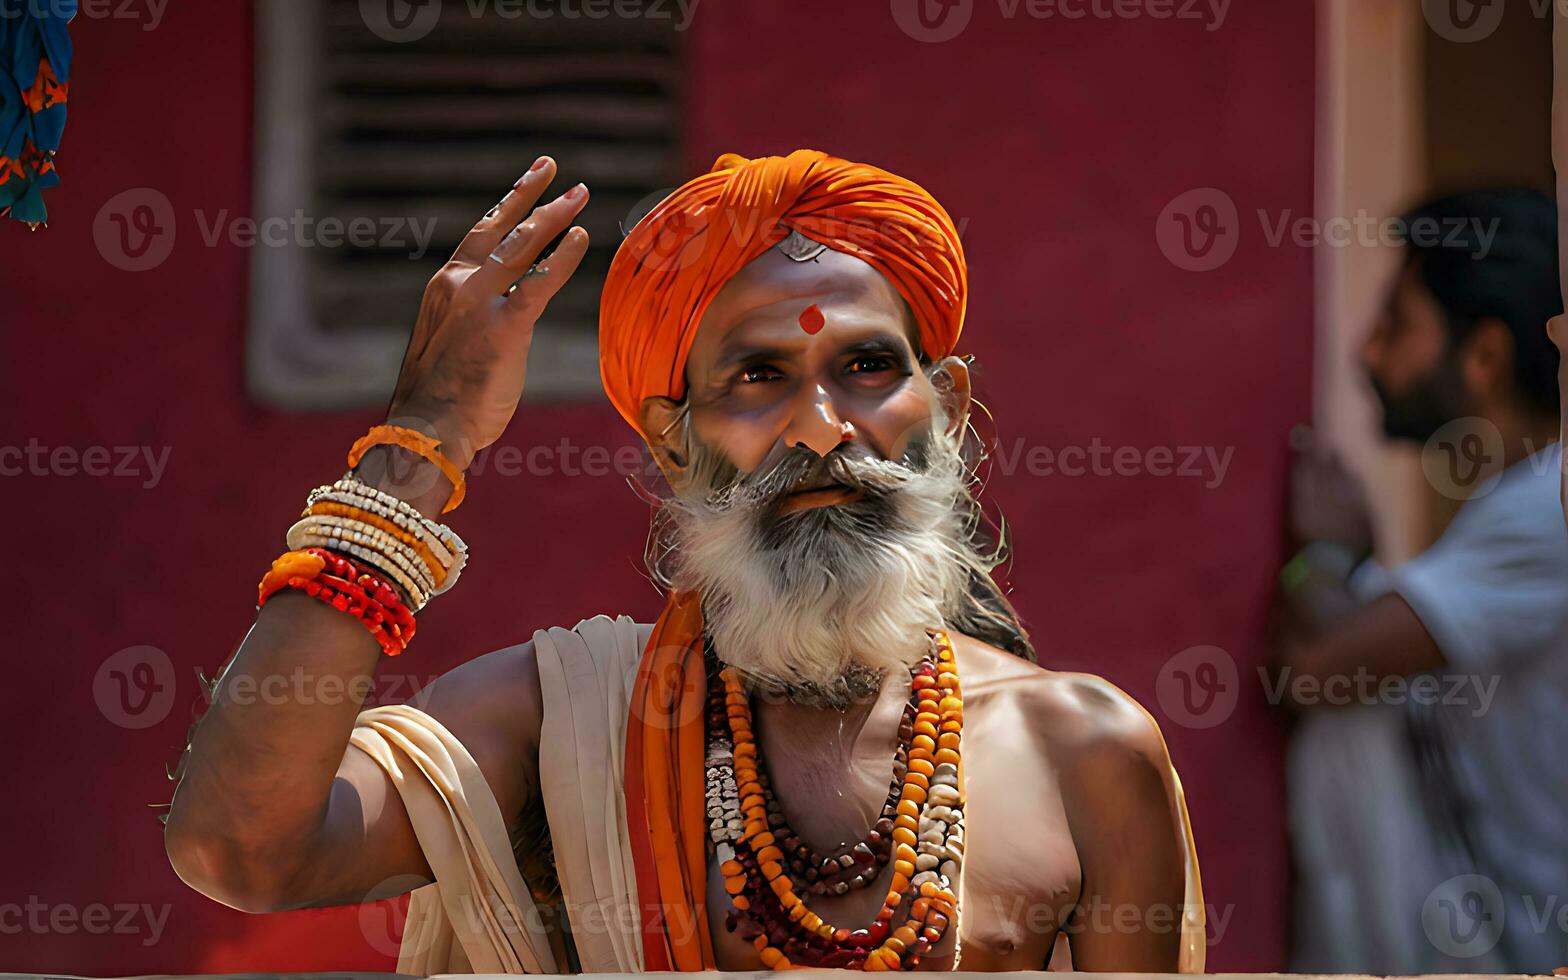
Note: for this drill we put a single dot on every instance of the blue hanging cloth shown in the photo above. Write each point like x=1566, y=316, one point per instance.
x=35, y=67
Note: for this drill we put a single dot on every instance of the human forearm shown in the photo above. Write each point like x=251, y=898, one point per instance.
x=1383, y=639
x=261, y=762
x=1317, y=604
x=255, y=794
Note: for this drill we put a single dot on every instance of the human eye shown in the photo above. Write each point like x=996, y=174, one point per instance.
x=758, y=373
x=871, y=363
x=877, y=364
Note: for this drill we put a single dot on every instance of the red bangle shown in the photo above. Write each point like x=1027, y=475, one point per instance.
x=347, y=586
x=361, y=575
x=390, y=645
x=394, y=616
x=370, y=586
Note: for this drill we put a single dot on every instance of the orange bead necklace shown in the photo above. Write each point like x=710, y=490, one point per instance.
x=927, y=834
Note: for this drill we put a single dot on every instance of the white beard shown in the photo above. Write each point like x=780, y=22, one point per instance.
x=819, y=601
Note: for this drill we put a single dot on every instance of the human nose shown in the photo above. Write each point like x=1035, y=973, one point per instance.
x=1372, y=350
x=815, y=424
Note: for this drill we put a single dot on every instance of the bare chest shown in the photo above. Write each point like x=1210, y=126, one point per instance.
x=1020, y=875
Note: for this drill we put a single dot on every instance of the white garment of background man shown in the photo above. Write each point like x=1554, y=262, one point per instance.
x=1430, y=826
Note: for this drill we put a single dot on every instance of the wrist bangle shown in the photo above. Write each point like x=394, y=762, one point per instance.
x=1330, y=557
x=411, y=525
x=347, y=587
x=405, y=558
x=445, y=543
x=412, y=593
x=327, y=508
x=415, y=442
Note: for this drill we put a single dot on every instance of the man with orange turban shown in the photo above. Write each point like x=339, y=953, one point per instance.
x=833, y=748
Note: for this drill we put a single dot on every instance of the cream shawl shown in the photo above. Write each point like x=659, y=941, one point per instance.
x=479, y=916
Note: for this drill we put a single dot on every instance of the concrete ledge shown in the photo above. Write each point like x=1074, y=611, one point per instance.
x=750, y=976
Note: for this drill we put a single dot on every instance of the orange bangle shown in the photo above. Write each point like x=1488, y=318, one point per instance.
x=290, y=564
x=415, y=442
x=437, y=570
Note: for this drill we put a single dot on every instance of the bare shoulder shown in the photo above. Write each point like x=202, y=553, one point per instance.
x=1099, y=756
x=1081, y=722
x=493, y=705
x=496, y=694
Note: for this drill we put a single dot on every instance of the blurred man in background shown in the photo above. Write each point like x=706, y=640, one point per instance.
x=1428, y=776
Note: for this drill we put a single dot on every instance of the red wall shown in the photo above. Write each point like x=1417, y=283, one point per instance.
x=1056, y=144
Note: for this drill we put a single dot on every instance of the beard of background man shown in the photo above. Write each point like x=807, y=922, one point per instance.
x=1431, y=402
x=817, y=604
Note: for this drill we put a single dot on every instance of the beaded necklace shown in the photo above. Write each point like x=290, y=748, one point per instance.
x=926, y=834
x=853, y=866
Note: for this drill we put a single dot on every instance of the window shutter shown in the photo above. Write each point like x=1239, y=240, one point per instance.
x=409, y=142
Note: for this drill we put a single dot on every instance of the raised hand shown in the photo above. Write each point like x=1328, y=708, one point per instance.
x=1327, y=502
x=464, y=371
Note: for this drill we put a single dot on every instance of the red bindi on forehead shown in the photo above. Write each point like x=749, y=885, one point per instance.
x=811, y=319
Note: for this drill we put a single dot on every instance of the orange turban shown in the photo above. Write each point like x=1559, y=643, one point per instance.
x=675, y=261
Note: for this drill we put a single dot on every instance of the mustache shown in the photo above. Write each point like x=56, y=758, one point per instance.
x=801, y=468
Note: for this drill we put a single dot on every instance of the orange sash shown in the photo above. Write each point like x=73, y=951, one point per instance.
x=665, y=750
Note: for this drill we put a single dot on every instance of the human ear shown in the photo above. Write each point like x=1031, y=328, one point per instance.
x=667, y=436
x=1487, y=361
x=950, y=378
